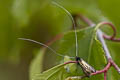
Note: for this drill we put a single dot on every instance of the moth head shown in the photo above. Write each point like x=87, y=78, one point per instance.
x=78, y=58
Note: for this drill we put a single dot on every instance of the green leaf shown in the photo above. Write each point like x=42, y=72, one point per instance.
x=37, y=63
x=58, y=72
x=90, y=49
x=51, y=74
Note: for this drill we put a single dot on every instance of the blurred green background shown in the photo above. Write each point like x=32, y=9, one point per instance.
x=41, y=21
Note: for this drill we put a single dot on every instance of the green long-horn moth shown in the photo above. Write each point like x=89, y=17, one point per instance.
x=87, y=69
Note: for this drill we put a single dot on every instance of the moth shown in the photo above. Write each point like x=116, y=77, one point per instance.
x=87, y=69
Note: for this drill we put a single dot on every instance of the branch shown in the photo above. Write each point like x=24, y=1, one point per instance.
x=114, y=65
x=57, y=37
x=103, y=70
x=112, y=39
x=105, y=75
x=100, y=36
x=85, y=19
x=71, y=62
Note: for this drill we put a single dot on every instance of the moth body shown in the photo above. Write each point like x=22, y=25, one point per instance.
x=87, y=69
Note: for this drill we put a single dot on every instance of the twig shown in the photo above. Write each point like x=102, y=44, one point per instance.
x=57, y=37
x=113, y=28
x=114, y=65
x=100, y=36
x=103, y=70
x=112, y=39
x=105, y=75
x=71, y=62
x=85, y=19
x=75, y=19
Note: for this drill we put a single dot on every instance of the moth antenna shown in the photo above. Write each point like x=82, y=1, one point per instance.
x=25, y=39
x=73, y=22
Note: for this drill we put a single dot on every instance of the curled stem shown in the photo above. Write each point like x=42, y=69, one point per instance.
x=112, y=26
x=112, y=39
x=90, y=23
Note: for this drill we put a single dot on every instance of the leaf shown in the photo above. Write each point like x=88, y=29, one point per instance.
x=59, y=72
x=51, y=74
x=37, y=63
x=89, y=48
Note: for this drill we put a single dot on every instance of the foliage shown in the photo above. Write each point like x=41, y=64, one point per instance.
x=92, y=53
x=40, y=20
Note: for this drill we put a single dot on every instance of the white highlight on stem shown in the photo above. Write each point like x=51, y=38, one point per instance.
x=100, y=36
x=73, y=22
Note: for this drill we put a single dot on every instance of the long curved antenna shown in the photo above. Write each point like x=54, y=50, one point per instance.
x=76, y=40
x=43, y=45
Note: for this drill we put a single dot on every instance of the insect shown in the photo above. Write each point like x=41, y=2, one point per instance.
x=87, y=69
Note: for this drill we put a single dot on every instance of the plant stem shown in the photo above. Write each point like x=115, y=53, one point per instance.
x=57, y=37
x=100, y=36
x=86, y=20
x=70, y=62
x=103, y=70
x=105, y=75
x=112, y=39
x=114, y=65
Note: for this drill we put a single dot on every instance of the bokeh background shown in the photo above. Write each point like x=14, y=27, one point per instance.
x=41, y=21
